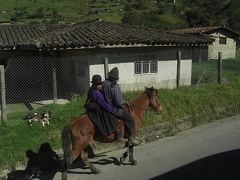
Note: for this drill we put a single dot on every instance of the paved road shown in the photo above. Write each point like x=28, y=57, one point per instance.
x=207, y=152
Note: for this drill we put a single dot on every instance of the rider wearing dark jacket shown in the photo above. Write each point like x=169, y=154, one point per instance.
x=113, y=96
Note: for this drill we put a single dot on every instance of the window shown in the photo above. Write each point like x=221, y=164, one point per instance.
x=153, y=66
x=145, y=67
x=222, y=40
x=137, y=68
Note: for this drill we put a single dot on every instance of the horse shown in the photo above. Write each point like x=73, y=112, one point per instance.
x=80, y=132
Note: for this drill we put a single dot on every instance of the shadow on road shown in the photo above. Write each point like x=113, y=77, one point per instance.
x=42, y=165
x=78, y=163
x=222, y=166
x=46, y=163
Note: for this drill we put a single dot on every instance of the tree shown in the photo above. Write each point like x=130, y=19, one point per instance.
x=234, y=14
x=206, y=12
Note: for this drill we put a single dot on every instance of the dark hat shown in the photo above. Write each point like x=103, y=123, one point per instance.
x=96, y=79
x=114, y=73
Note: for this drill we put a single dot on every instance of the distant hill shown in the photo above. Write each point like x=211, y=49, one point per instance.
x=164, y=14
x=53, y=11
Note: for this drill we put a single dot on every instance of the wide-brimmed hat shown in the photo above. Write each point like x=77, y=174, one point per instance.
x=96, y=79
x=114, y=73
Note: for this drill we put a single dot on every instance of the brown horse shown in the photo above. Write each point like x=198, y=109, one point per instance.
x=78, y=134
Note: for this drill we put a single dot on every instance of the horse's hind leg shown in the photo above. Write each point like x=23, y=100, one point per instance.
x=73, y=155
x=131, y=159
x=94, y=170
x=89, y=150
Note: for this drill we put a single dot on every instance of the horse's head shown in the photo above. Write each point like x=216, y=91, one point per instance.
x=154, y=102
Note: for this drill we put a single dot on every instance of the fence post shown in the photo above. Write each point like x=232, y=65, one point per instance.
x=54, y=85
x=105, y=67
x=179, y=54
x=200, y=54
x=3, y=95
x=219, y=67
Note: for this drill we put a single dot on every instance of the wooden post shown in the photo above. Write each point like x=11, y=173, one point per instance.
x=219, y=67
x=200, y=54
x=106, y=67
x=179, y=54
x=3, y=95
x=54, y=85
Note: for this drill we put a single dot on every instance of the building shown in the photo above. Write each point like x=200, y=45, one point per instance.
x=145, y=57
x=225, y=41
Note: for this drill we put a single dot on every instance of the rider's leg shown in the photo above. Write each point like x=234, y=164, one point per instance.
x=118, y=136
x=129, y=123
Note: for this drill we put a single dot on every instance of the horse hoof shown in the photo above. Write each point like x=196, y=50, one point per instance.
x=96, y=171
x=64, y=176
x=122, y=159
x=134, y=162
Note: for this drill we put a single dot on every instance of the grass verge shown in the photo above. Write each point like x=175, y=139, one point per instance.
x=196, y=104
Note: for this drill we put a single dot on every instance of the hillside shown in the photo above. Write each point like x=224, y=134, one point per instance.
x=164, y=14
x=52, y=11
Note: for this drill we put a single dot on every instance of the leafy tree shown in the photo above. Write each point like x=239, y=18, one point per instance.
x=206, y=12
x=234, y=14
x=152, y=19
x=136, y=4
x=40, y=12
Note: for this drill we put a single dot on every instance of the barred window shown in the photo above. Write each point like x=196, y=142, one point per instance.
x=145, y=67
x=138, y=67
x=153, y=66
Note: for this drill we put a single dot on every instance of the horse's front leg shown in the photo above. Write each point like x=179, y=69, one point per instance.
x=123, y=158
x=125, y=155
x=131, y=159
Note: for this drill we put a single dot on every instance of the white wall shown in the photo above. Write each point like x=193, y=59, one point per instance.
x=228, y=50
x=165, y=78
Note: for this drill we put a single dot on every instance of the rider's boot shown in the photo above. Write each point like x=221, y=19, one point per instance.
x=131, y=141
x=118, y=136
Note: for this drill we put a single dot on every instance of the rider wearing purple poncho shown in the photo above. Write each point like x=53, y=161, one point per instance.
x=99, y=111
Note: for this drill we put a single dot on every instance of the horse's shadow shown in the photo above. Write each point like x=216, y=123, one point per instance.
x=109, y=160
x=42, y=165
x=46, y=163
x=78, y=163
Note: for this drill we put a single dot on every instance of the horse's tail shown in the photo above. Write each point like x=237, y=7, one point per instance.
x=66, y=145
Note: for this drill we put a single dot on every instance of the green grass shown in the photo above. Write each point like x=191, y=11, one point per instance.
x=201, y=104
x=230, y=70
x=69, y=10
x=198, y=104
